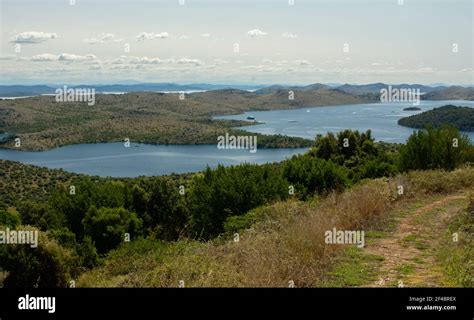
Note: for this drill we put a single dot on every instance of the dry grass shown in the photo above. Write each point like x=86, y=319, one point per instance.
x=289, y=246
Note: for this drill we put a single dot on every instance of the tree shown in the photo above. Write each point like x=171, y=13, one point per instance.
x=47, y=266
x=311, y=175
x=9, y=217
x=357, y=152
x=232, y=191
x=167, y=212
x=107, y=226
x=87, y=253
x=40, y=215
x=442, y=148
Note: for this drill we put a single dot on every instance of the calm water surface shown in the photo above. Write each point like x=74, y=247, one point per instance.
x=307, y=123
x=113, y=159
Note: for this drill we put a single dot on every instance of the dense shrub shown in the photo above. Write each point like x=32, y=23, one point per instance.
x=9, y=218
x=443, y=148
x=47, y=266
x=231, y=191
x=357, y=152
x=166, y=213
x=107, y=226
x=40, y=215
x=311, y=175
x=87, y=253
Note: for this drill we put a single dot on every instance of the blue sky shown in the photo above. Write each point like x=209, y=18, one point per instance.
x=162, y=41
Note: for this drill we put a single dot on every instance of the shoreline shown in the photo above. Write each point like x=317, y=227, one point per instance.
x=305, y=142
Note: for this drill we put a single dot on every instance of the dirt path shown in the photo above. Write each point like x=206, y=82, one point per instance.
x=409, y=251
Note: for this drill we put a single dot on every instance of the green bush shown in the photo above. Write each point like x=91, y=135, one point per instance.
x=166, y=213
x=237, y=223
x=9, y=218
x=107, y=226
x=311, y=175
x=40, y=215
x=87, y=253
x=357, y=152
x=47, y=266
x=231, y=191
x=435, y=149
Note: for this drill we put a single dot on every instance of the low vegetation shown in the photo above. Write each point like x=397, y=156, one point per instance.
x=182, y=224
x=41, y=123
x=283, y=244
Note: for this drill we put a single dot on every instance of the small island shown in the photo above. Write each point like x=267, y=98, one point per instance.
x=412, y=109
x=459, y=117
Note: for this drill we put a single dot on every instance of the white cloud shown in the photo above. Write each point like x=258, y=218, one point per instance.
x=44, y=57
x=7, y=57
x=281, y=63
x=162, y=35
x=146, y=60
x=425, y=70
x=62, y=57
x=123, y=60
x=256, y=33
x=33, y=37
x=74, y=57
x=102, y=38
x=120, y=60
x=183, y=37
x=302, y=62
x=220, y=61
x=206, y=35
x=150, y=35
x=189, y=61
x=122, y=67
x=289, y=35
x=258, y=67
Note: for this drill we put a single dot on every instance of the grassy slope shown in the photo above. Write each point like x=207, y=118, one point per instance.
x=287, y=244
x=415, y=250
x=41, y=123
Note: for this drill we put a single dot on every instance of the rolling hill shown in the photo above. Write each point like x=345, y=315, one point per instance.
x=156, y=118
x=460, y=117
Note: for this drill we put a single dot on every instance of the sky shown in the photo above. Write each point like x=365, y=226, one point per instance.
x=236, y=42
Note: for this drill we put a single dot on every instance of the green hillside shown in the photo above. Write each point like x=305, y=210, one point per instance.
x=155, y=118
x=459, y=117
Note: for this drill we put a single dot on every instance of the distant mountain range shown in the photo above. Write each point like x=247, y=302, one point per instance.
x=372, y=91
x=454, y=93
x=33, y=90
x=368, y=91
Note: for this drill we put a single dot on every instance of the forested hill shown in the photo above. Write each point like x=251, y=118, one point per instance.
x=460, y=117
